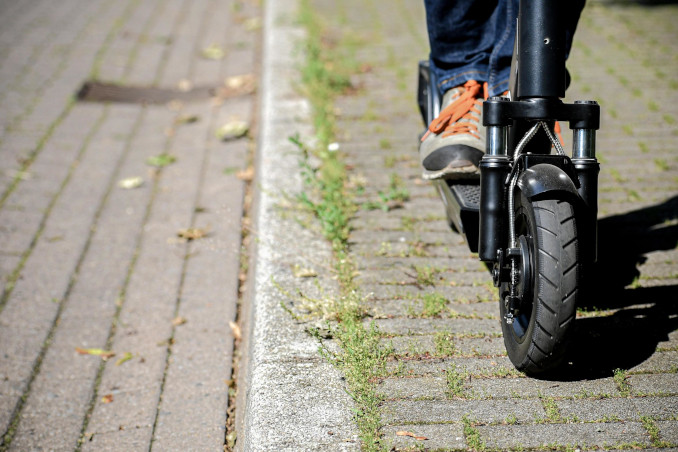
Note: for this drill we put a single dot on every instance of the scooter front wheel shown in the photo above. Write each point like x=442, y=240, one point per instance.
x=542, y=325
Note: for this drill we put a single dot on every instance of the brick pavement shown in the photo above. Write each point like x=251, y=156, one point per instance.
x=625, y=57
x=86, y=264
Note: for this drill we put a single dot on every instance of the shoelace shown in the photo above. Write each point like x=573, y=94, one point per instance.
x=448, y=122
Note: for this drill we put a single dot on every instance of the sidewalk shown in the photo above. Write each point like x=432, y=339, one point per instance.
x=116, y=302
x=449, y=378
x=114, y=329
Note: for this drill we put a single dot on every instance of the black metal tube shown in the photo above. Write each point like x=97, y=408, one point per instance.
x=587, y=221
x=541, y=49
x=493, y=217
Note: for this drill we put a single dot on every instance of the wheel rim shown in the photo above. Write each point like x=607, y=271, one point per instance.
x=521, y=321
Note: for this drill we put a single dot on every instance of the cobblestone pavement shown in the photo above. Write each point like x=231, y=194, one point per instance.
x=87, y=265
x=452, y=381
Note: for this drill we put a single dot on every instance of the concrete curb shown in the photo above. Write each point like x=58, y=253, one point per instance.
x=289, y=397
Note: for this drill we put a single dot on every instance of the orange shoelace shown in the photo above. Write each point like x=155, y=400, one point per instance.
x=448, y=122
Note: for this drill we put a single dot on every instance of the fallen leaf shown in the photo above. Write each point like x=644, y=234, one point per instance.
x=237, y=85
x=192, y=233
x=105, y=354
x=108, y=398
x=130, y=182
x=186, y=119
x=161, y=160
x=126, y=357
x=179, y=320
x=404, y=433
x=232, y=130
x=246, y=174
x=213, y=52
x=252, y=24
x=185, y=85
x=235, y=328
x=164, y=343
x=301, y=272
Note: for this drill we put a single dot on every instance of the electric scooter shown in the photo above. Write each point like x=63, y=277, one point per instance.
x=532, y=216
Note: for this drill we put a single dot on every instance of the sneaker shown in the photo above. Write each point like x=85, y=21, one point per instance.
x=454, y=143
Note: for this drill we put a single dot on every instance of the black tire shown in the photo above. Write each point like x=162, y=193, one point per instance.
x=537, y=339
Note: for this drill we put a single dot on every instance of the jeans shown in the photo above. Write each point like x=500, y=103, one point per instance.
x=473, y=40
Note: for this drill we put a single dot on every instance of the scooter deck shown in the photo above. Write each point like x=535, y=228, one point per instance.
x=462, y=205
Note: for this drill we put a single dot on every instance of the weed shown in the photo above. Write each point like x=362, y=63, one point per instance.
x=385, y=143
x=456, y=382
x=417, y=248
x=434, y=304
x=661, y=164
x=551, y=409
x=473, y=439
x=161, y=160
x=396, y=195
x=361, y=356
x=444, y=345
x=621, y=380
x=511, y=419
x=425, y=275
x=651, y=427
x=408, y=223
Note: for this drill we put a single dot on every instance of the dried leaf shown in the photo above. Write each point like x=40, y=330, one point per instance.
x=105, y=354
x=161, y=160
x=192, y=233
x=404, y=433
x=237, y=85
x=108, y=398
x=246, y=174
x=185, y=85
x=186, y=119
x=232, y=130
x=252, y=24
x=179, y=320
x=235, y=328
x=131, y=182
x=301, y=272
x=213, y=52
x=126, y=357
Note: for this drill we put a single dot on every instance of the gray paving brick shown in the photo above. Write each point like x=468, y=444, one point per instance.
x=654, y=383
x=435, y=411
x=590, y=435
x=657, y=407
x=418, y=388
x=597, y=410
x=438, y=436
x=438, y=366
x=668, y=431
x=405, y=326
x=466, y=347
x=528, y=387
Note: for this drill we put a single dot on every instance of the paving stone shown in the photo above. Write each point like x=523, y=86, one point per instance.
x=498, y=365
x=668, y=431
x=589, y=435
x=657, y=407
x=438, y=436
x=401, y=308
x=418, y=388
x=654, y=383
x=529, y=387
x=597, y=410
x=438, y=411
x=418, y=345
x=405, y=326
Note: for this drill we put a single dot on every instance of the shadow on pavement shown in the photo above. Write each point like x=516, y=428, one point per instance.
x=630, y=336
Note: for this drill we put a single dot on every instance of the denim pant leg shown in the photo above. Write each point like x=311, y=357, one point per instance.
x=473, y=40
